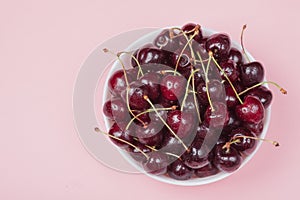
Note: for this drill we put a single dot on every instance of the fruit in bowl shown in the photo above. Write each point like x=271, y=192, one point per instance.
x=190, y=105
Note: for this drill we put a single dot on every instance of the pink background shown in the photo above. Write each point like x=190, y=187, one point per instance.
x=42, y=45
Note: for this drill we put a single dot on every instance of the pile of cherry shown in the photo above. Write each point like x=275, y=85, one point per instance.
x=187, y=105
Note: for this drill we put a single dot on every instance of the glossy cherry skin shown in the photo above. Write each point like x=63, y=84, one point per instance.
x=156, y=163
x=216, y=91
x=116, y=109
x=219, y=45
x=231, y=99
x=236, y=56
x=172, y=145
x=251, y=111
x=179, y=171
x=136, y=94
x=173, y=87
x=164, y=41
x=183, y=63
x=197, y=156
x=117, y=82
x=244, y=145
x=217, y=118
x=257, y=129
x=118, y=130
x=182, y=123
x=207, y=170
x=152, y=82
x=152, y=135
x=136, y=154
x=227, y=160
x=167, y=103
x=251, y=73
x=155, y=56
x=189, y=27
x=230, y=70
x=190, y=104
x=263, y=94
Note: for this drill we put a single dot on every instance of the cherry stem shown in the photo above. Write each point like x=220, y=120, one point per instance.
x=163, y=121
x=207, y=81
x=134, y=58
x=242, y=43
x=147, y=111
x=196, y=31
x=283, y=91
x=169, y=71
x=187, y=87
x=121, y=140
x=168, y=153
x=195, y=99
x=230, y=83
x=126, y=80
x=275, y=143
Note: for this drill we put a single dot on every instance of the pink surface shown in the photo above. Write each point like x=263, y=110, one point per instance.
x=42, y=45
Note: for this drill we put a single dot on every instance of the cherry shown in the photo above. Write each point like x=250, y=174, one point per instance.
x=117, y=82
x=182, y=123
x=236, y=56
x=207, y=170
x=172, y=145
x=173, y=87
x=183, y=63
x=197, y=157
x=230, y=70
x=115, y=109
x=219, y=45
x=189, y=27
x=227, y=159
x=155, y=56
x=255, y=128
x=189, y=105
x=152, y=82
x=231, y=99
x=243, y=144
x=151, y=135
x=218, y=117
x=263, y=94
x=157, y=163
x=216, y=91
x=233, y=122
x=199, y=76
x=251, y=73
x=163, y=40
x=179, y=171
x=118, y=130
x=167, y=103
x=136, y=154
x=251, y=111
x=136, y=94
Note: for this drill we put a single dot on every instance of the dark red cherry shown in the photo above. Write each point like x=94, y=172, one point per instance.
x=183, y=63
x=234, y=122
x=190, y=104
x=251, y=73
x=255, y=128
x=231, y=99
x=136, y=94
x=244, y=145
x=172, y=145
x=207, y=170
x=189, y=27
x=118, y=130
x=251, y=111
x=152, y=82
x=179, y=171
x=227, y=160
x=117, y=82
x=263, y=94
x=156, y=163
x=218, y=117
x=167, y=103
x=136, y=154
x=219, y=45
x=197, y=156
x=182, y=123
x=116, y=109
x=173, y=87
x=236, y=56
x=151, y=135
x=163, y=40
x=135, y=54
x=155, y=56
x=230, y=70
x=216, y=91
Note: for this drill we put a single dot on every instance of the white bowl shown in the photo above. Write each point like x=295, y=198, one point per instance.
x=193, y=181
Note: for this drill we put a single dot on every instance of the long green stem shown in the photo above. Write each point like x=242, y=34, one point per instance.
x=163, y=121
x=283, y=91
x=121, y=140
